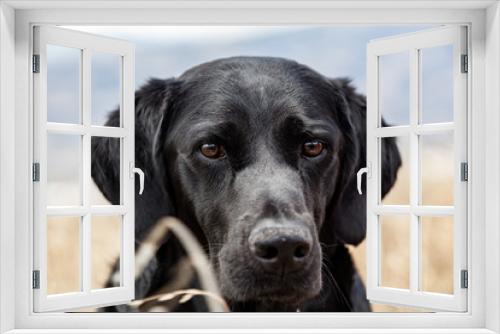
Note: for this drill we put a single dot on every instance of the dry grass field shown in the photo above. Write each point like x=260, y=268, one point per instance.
x=437, y=237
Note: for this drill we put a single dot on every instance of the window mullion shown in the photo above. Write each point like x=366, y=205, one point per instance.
x=86, y=234
x=414, y=171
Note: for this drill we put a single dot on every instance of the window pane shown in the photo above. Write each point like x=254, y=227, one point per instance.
x=106, y=172
x=394, y=251
x=106, y=249
x=394, y=88
x=436, y=68
x=106, y=87
x=437, y=254
x=63, y=84
x=437, y=169
x=63, y=254
x=64, y=173
x=400, y=191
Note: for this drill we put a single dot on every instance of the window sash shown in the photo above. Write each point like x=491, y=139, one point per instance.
x=413, y=296
x=87, y=297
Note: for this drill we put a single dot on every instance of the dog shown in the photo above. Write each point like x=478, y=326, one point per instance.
x=258, y=156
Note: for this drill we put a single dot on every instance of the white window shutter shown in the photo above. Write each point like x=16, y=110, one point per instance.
x=414, y=295
x=87, y=45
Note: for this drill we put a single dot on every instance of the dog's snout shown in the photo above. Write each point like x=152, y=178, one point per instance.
x=281, y=249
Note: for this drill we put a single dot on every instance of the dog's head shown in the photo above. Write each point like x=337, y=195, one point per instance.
x=258, y=156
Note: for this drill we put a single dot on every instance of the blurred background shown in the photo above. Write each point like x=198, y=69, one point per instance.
x=334, y=51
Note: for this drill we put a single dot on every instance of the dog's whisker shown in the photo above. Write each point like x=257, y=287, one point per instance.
x=328, y=246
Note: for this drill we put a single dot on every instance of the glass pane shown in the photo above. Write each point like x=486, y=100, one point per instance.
x=63, y=84
x=64, y=169
x=106, y=87
x=437, y=169
x=394, y=88
x=400, y=191
x=106, y=249
x=105, y=171
x=437, y=254
x=436, y=66
x=395, y=251
x=63, y=254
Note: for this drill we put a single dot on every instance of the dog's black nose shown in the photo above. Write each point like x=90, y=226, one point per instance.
x=281, y=249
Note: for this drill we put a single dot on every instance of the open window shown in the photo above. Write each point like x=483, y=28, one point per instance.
x=16, y=198
x=429, y=111
x=417, y=97
x=64, y=200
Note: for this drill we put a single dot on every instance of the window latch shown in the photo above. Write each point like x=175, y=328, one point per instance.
x=134, y=170
x=365, y=170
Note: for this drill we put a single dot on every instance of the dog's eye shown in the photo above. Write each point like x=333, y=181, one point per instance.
x=212, y=151
x=312, y=148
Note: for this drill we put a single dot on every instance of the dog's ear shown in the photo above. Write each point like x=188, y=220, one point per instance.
x=346, y=214
x=159, y=154
x=152, y=105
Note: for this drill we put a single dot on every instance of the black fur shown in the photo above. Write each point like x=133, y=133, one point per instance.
x=261, y=110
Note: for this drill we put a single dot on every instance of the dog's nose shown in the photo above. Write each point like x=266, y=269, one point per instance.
x=281, y=249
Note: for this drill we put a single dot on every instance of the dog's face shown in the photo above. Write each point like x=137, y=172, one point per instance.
x=258, y=156
x=253, y=151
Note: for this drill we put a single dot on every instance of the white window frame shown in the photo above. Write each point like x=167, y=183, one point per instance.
x=16, y=20
x=87, y=44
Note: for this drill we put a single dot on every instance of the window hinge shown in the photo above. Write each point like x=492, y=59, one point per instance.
x=464, y=171
x=36, y=63
x=36, y=279
x=464, y=279
x=36, y=172
x=465, y=63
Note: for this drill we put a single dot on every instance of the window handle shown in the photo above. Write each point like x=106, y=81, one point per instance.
x=134, y=170
x=364, y=170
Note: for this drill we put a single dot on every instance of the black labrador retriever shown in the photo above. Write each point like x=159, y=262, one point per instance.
x=258, y=156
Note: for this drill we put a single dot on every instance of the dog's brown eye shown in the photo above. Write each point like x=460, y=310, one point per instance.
x=312, y=148
x=212, y=151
